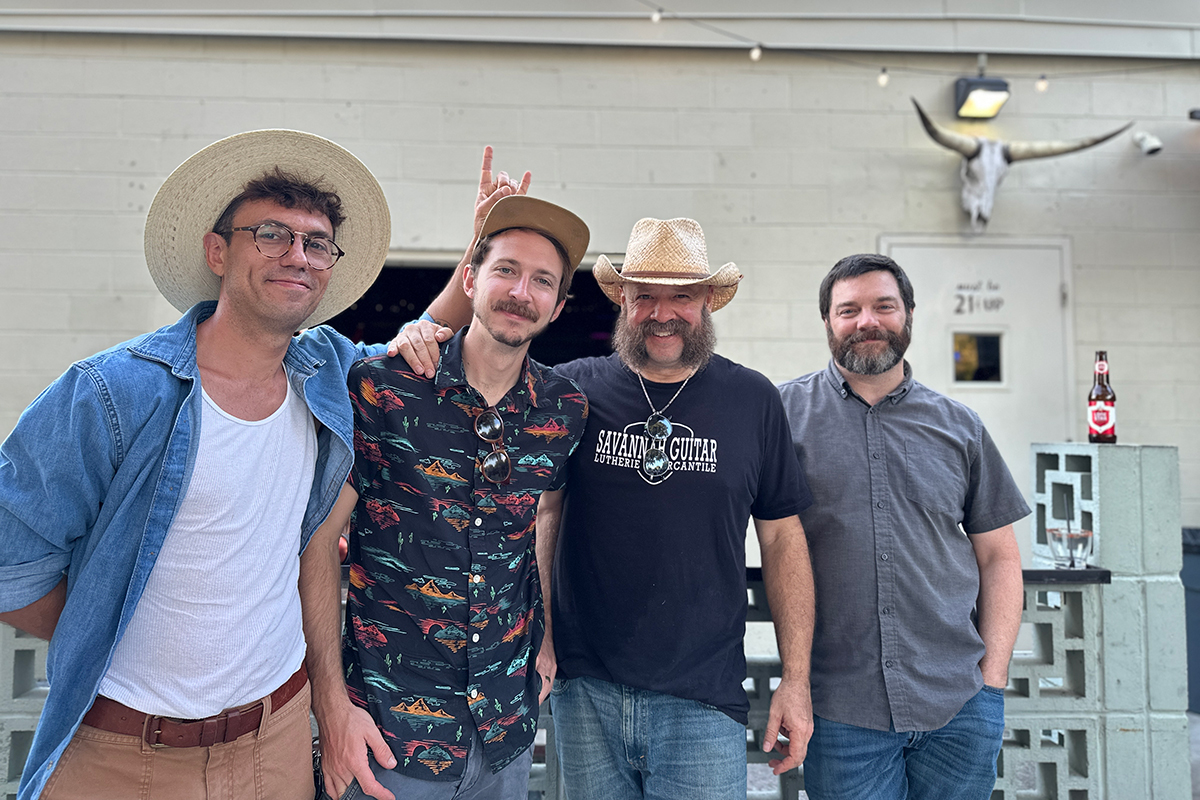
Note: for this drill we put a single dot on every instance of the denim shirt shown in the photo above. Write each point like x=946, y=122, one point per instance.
x=92, y=476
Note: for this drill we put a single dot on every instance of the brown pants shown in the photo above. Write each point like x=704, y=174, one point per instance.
x=274, y=763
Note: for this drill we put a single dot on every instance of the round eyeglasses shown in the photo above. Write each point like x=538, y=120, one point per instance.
x=658, y=429
x=274, y=241
x=496, y=466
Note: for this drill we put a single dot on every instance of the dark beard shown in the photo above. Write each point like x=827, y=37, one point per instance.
x=629, y=341
x=877, y=364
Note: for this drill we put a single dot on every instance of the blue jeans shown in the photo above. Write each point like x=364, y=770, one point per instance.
x=958, y=760
x=478, y=781
x=619, y=743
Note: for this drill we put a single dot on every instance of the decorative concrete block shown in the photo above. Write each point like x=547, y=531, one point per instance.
x=22, y=673
x=1170, y=775
x=1049, y=756
x=1123, y=649
x=1160, y=510
x=16, y=736
x=1130, y=634
x=1126, y=756
x=1062, y=673
x=1100, y=488
x=1166, y=645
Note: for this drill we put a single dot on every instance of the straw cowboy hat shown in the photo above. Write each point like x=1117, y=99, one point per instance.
x=198, y=191
x=669, y=252
x=522, y=211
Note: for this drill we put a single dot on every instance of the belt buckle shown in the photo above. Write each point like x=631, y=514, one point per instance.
x=151, y=730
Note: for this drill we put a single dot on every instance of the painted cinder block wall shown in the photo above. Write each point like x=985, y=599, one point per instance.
x=789, y=164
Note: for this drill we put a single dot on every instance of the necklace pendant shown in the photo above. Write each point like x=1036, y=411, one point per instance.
x=658, y=426
x=655, y=463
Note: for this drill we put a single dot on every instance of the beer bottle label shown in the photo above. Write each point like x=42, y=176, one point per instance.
x=1102, y=416
x=1101, y=367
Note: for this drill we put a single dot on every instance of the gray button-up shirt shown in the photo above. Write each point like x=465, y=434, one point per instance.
x=898, y=488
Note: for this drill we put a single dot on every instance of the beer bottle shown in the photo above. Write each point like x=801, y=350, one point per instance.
x=1102, y=405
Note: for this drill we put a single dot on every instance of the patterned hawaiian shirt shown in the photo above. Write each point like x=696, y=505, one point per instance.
x=444, y=615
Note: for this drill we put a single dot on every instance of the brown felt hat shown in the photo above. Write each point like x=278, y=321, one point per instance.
x=522, y=211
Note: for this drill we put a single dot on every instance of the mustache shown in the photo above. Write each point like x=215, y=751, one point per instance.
x=871, y=335
x=672, y=327
x=513, y=307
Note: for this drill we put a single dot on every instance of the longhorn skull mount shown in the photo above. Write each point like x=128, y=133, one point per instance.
x=985, y=161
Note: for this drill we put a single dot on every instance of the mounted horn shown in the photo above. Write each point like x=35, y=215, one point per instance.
x=1023, y=151
x=985, y=161
x=966, y=146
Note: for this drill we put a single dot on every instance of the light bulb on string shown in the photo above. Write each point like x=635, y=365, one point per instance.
x=756, y=52
x=1042, y=84
x=656, y=17
x=883, y=77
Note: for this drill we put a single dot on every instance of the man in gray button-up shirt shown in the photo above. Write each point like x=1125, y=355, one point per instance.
x=918, y=575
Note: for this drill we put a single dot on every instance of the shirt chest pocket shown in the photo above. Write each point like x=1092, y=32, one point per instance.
x=934, y=480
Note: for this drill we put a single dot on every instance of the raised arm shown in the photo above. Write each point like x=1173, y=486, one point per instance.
x=787, y=574
x=452, y=308
x=419, y=343
x=347, y=731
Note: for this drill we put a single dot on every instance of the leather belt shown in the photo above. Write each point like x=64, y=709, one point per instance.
x=109, y=715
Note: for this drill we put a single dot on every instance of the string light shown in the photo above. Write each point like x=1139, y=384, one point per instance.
x=1042, y=84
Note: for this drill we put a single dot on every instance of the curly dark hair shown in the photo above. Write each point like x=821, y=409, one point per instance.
x=289, y=191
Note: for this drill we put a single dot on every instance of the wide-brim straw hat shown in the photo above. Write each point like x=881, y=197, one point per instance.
x=669, y=252
x=522, y=211
x=198, y=191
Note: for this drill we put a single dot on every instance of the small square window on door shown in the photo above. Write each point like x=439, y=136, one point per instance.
x=977, y=358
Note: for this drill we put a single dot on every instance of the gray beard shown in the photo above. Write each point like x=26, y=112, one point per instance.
x=629, y=341
x=870, y=364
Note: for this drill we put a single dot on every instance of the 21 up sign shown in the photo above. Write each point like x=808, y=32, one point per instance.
x=978, y=297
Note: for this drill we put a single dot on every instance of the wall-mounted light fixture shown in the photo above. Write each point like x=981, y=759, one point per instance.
x=980, y=97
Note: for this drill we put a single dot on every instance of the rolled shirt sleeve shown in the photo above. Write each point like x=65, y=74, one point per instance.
x=55, y=468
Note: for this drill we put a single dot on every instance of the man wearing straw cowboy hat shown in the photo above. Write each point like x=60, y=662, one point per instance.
x=155, y=500
x=682, y=447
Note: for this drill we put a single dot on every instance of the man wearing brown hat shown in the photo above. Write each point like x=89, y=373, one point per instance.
x=682, y=447
x=444, y=615
x=155, y=500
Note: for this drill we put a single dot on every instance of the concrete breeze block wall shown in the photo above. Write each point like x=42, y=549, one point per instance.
x=789, y=164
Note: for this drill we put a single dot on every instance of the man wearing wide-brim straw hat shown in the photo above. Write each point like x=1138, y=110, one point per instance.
x=649, y=577
x=155, y=500
x=667, y=253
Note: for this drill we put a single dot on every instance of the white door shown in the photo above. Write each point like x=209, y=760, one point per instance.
x=993, y=329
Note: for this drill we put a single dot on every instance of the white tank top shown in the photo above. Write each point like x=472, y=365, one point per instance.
x=219, y=622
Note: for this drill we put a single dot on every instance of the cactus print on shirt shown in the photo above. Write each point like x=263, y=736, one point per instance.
x=444, y=615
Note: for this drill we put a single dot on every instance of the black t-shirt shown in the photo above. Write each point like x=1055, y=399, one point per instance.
x=650, y=577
